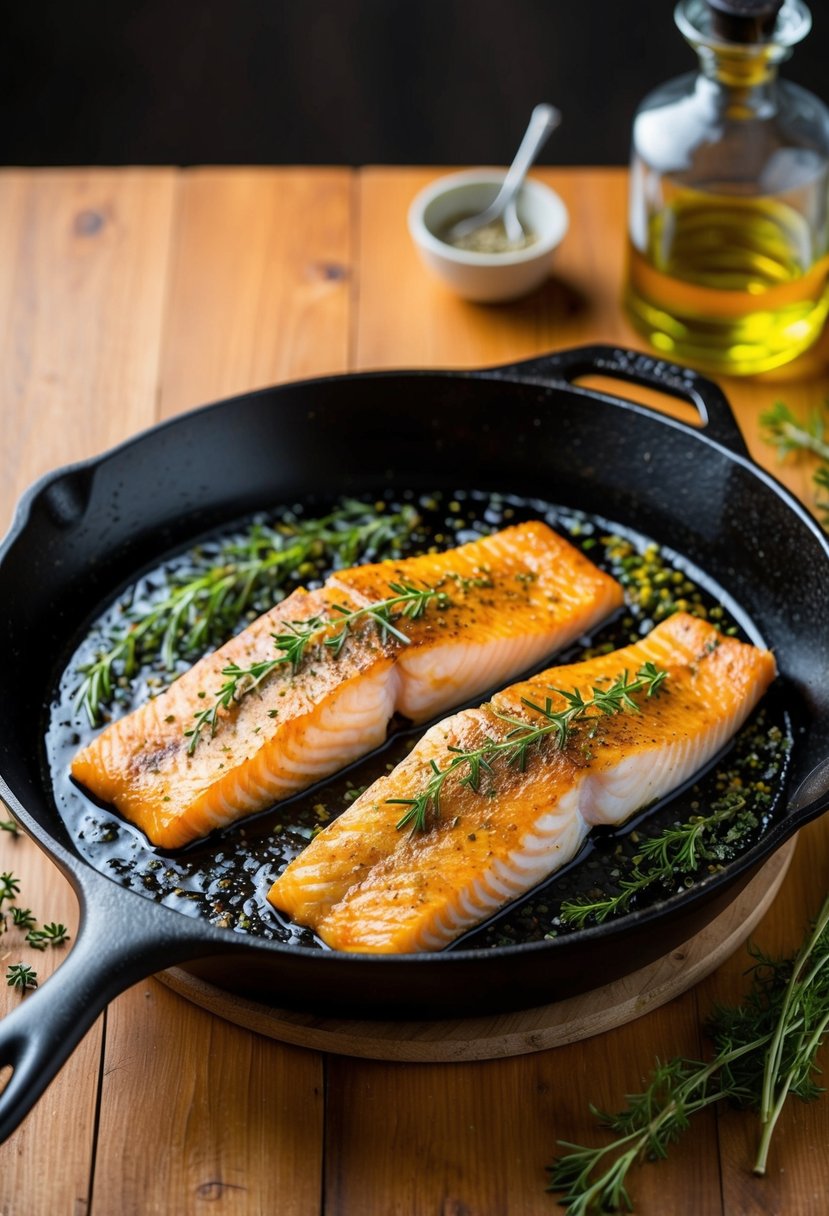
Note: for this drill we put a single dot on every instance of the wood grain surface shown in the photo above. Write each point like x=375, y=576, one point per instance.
x=127, y=295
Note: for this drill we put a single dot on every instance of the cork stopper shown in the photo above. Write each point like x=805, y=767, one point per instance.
x=744, y=20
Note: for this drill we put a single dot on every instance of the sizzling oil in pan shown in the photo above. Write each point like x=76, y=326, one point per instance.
x=225, y=878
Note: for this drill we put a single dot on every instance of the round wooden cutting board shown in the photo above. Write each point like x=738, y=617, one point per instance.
x=507, y=1034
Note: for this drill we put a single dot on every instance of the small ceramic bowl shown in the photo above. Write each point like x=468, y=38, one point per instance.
x=486, y=276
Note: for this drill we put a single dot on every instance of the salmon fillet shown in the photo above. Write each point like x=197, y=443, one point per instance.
x=365, y=884
x=500, y=605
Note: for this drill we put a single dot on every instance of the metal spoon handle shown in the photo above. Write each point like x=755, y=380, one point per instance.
x=543, y=121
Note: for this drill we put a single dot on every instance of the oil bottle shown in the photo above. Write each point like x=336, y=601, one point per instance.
x=728, y=230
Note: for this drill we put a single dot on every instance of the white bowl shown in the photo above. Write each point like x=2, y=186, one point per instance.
x=486, y=276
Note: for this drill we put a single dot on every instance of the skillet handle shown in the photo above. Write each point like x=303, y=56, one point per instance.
x=632, y=366
x=116, y=946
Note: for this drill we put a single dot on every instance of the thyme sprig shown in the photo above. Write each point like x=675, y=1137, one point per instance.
x=407, y=602
x=792, y=437
x=52, y=934
x=9, y=886
x=679, y=849
x=515, y=748
x=764, y=1050
x=202, y=608
x=21, y=975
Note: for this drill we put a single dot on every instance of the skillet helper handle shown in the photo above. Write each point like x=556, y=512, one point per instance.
x=112, y=951
x=633, y=367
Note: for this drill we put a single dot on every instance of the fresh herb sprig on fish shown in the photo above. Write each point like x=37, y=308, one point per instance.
x=202, y=608
x=792, y=437
x=407, y=603
x=516, y=746
x=678, y=850
x=764, y=1050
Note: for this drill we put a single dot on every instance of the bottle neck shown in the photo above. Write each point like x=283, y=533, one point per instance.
x=741, y=67
x=738, y=70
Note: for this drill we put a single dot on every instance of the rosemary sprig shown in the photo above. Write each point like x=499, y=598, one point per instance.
x=782, y=429
x=680, y=849
x=230, y=691
x=517, y=745
x=21, y=975
x=406, y=603
x=764, y=1049
x=202, y=609
x=652, y=1121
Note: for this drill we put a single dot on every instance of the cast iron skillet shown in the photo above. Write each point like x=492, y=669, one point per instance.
x=82, y=532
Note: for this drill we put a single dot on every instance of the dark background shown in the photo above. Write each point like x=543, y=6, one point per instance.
x=336, y=81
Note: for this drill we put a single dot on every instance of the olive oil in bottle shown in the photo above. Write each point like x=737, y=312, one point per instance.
x=729, y=234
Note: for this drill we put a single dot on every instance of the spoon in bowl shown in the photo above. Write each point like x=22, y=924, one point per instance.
x=543, y=121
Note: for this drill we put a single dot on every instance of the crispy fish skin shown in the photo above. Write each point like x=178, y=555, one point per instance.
x=510, y=599
x=364, y=885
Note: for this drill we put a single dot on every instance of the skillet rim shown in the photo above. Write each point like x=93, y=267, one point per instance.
x=544, y=372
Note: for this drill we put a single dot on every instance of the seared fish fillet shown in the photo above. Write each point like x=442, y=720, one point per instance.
x=503, y=603
x=365, y=884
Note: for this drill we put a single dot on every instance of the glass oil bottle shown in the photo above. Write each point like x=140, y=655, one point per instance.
x=728, y=230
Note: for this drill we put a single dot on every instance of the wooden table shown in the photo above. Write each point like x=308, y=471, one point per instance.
x=127, y=296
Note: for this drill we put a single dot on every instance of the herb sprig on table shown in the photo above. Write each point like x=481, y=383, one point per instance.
x=9, y=887
x=201, y=607
x=763, y=1050
x=792, y=437
x=516, y=746
x=22, y=975
x=52, y=934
